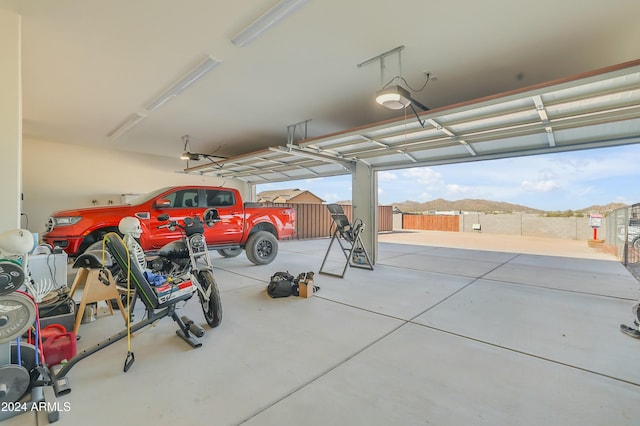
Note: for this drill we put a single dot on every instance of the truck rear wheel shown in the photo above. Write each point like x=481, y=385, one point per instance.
x=262, y=248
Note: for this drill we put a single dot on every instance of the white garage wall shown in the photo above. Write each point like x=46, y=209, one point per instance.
x=10, y=119
x=60, y=176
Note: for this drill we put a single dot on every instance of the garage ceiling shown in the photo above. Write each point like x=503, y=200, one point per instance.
x=596, y=110
x=89, y=66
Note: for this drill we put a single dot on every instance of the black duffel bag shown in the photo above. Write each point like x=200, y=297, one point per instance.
x=282, y=284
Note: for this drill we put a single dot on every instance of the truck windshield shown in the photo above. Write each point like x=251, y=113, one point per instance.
x=146, y=197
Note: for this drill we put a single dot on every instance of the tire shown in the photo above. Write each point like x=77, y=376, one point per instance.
x=636, y=243
x=118, y=276
x=94, y=238
x=230, y=252
x=262, y=248
x=96, y=247
x=211, y=308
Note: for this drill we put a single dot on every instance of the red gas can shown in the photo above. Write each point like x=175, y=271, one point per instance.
x=59, y=347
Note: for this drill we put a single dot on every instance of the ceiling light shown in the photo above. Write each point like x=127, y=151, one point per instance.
x=181, y=85
x=195, y=156
x=271, y=17
x=190, y=156
x=394, y=97
x=128, y=124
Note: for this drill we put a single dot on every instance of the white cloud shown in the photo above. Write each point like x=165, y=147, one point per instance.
x=540, y=186
x=623, y=199
x=424, y=176
x=425, y=196
x=387, y=176
x=455, y=190
x=330, y=197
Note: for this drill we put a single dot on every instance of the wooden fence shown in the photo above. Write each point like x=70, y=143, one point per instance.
x=431, y=222
x=314, y=220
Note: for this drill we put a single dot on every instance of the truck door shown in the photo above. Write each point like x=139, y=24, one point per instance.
x=230, y=228
x=178, y=205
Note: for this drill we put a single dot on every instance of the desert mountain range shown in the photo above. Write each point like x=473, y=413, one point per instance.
x=475, y=205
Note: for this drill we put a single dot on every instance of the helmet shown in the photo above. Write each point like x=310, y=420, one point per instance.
x=16, y=242
x=130, y=226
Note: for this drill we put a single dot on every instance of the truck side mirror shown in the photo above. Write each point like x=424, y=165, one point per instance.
x=162, y=203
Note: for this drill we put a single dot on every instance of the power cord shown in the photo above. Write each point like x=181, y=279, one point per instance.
x=407, y=83
x=130, y=358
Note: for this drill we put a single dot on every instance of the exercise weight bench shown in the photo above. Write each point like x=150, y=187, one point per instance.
x=349, y=239
x=156, y=309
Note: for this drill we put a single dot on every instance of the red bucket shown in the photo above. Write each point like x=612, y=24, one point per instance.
x=60, y=347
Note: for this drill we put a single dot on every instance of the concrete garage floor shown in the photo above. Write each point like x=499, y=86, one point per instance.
x=434, y=335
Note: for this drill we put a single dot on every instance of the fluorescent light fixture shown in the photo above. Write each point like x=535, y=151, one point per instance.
x=183, y=84
x=271, y=17
x=394, y=97
x=128, y=124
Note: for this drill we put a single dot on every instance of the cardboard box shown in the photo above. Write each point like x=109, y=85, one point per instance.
x=305, y=288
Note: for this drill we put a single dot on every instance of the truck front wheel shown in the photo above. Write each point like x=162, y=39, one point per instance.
x=262, y=248
x=94, y=238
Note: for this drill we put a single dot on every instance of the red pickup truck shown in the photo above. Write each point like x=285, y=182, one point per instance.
x=256, y=229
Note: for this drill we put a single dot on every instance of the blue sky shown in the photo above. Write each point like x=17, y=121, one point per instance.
x=563, y=181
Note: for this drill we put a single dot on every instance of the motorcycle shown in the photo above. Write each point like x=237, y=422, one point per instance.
x=186, y=259
x=189, y=257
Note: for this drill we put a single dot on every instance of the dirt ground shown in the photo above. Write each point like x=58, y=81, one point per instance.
x=497, y=242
